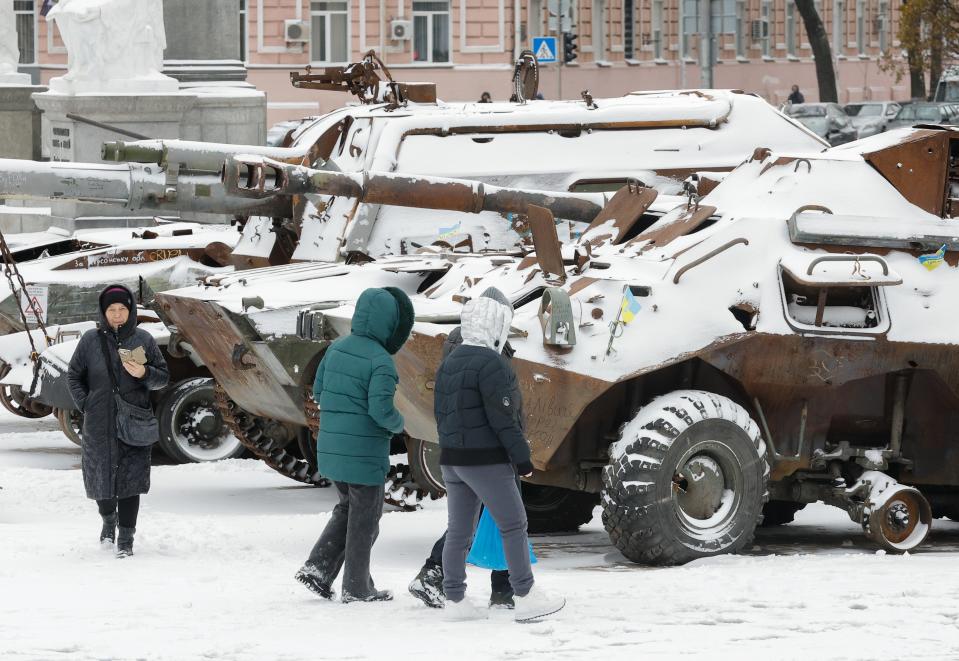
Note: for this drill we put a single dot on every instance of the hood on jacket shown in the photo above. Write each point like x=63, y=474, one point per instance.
x=485, y=320
x=131, y=321
x=384, y=315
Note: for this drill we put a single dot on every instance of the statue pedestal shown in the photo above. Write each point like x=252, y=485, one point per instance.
x=19, y=121
x=233, y=115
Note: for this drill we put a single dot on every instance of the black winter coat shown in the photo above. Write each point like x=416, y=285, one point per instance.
x=479, y=410
x=111, y=468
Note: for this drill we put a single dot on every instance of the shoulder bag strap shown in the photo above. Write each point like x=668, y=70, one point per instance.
x=106, y=357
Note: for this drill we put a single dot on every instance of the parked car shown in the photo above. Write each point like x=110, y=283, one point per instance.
x=924, y=113
x=871, y=117
x=827, y=120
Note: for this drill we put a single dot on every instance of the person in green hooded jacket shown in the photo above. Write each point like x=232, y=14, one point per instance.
x=355, y=384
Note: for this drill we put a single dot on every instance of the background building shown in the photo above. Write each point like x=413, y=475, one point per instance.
x=468, y=46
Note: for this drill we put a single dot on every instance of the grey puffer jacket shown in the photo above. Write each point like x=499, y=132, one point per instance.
x=112, y=469
x=477, y=401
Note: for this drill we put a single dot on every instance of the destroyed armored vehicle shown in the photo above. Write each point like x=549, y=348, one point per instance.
x=783, y=339
x=592, y=145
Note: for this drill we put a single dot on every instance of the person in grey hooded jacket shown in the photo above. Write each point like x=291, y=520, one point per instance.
x=116, y=468
x=479, y=416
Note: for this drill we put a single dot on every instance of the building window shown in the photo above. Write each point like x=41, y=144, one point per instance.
x=790, y=28
x=690, y=24
x=656, y=29
x=329, y=31
x=431, y=31
x=599, y=29
x=535, y=19
x=765, y=27
x=741, y=25
x=26, y=30
x=838, y=25
x=243, y=30
x=860, y=26
x=629, y=29
x=882, y=23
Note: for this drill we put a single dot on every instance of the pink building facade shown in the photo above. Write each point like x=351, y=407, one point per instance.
x=468, y=46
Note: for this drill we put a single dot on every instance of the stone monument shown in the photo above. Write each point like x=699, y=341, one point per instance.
x=19, y=117
x=9, y=52
x=113, y=46
x=115, y=55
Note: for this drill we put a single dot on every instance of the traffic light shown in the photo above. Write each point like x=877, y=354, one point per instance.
x=569, y=47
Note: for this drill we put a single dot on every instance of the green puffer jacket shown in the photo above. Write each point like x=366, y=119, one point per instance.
x=354, y=386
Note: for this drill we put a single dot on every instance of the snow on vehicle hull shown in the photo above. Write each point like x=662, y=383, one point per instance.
x=736, y=296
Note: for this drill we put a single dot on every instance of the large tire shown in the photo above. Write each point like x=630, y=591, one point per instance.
x=71, y=422
x=554, y=509
x=15, y=400
x=191, y=426
x=424, y=461
x=780, y=512
x=687, y=479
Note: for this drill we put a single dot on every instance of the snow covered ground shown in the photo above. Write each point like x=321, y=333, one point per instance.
x=217, y=546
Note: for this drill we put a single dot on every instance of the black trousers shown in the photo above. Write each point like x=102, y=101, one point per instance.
x=348, y=538
x=498, y=578
x=128, y=509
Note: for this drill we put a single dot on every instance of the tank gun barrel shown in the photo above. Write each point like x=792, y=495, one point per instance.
x=131, y=185
x=196, y=156
x=257, y=178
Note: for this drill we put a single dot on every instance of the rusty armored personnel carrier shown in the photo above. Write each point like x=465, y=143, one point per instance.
x=784, y=338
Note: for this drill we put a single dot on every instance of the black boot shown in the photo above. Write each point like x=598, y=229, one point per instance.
x=108, y=534
x=428, y=585
x=315, y=581
x=376, y=595
x=125, y=542
x=501, y=600
x=501, y=592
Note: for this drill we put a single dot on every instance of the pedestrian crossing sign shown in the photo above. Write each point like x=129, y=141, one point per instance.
x=544, y=48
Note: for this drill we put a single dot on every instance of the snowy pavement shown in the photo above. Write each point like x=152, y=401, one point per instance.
x=217, y=546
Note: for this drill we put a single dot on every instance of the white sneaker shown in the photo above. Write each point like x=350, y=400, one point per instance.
x=462, y=611
x=536, y=604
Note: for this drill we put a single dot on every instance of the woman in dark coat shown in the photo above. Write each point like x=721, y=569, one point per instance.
x=117, y=437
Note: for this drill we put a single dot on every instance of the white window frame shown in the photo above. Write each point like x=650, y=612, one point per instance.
x=741, y=26
x=244, y=31
x=534, y=24
x=885, y=20
x=430, y=17
x=657, y=33
x=36, y=40
x=860, y=27
x=838, y=28
x=329, y=27
x=766, y=14
x=790, y=27
x=598, y=26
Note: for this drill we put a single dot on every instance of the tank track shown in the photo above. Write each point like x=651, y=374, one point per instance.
x=249, y=431
x=401, y=491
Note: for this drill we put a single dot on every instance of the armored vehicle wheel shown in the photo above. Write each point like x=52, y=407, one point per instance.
x=780, y=512
x=267, y=440
x=71, y=422
x=425, y=467
x=192, y=429
x=687, y=479
x=306, y=441
x=16, y=401
x=901, y=522
x=554, y=509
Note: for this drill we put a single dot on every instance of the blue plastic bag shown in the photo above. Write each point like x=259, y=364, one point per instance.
x=487, y=550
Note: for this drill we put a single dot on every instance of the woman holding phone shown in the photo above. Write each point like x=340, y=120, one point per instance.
x=112, y=372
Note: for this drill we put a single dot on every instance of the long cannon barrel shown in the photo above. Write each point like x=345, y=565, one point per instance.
x=131, y=186
x=198, y=156
x=264, y=178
